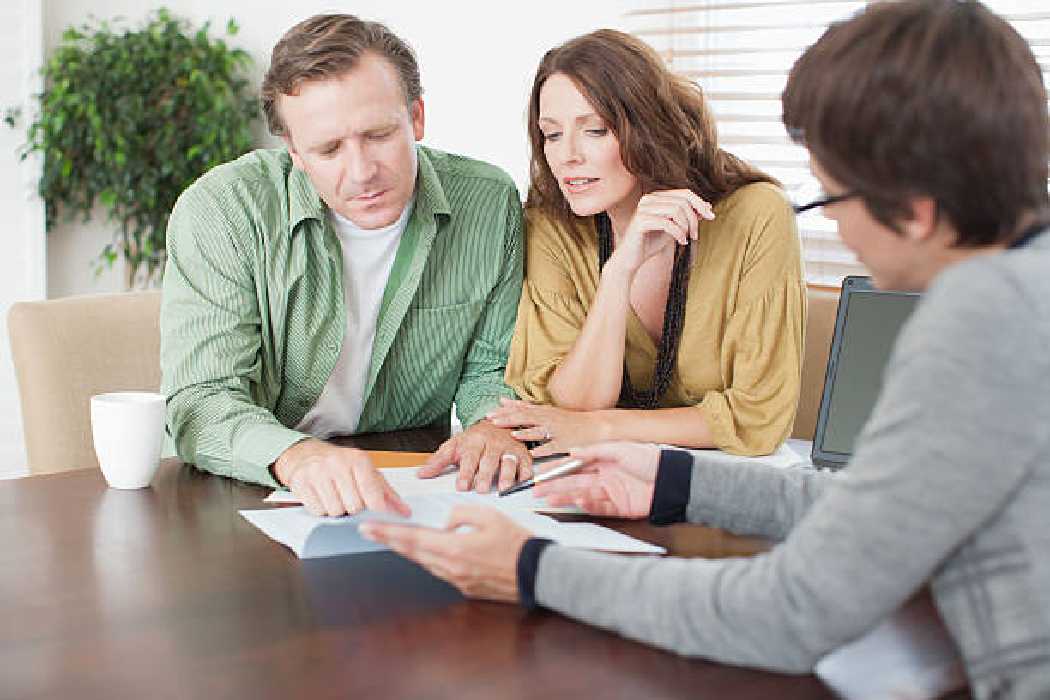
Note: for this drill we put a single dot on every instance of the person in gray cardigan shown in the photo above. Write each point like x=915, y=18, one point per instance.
x=926, y=123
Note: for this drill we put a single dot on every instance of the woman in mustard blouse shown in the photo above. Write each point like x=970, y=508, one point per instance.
x=664, y=299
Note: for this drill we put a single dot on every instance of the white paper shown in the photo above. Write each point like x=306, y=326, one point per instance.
x=405, y=482
x=783, y=458
x=312, y=536
x=908, y=656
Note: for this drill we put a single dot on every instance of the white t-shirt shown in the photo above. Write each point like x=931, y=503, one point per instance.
x=368, y=256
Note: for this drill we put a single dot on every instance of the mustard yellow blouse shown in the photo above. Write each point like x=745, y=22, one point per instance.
x=740, y=357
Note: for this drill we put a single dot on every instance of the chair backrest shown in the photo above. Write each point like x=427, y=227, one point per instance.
x=67, y=350
x=820, y=327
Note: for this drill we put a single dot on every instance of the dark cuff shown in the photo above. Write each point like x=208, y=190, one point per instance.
x=671, y=491
x=528, y=562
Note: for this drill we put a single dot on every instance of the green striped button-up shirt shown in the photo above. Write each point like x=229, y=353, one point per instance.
x=253, y=318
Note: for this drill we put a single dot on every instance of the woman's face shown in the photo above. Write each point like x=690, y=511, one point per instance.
x=583, y=153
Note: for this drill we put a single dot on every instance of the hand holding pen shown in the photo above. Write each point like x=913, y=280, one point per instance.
x=609, y=479
x=564, y=469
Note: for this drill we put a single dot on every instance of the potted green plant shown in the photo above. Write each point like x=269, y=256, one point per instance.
x=130, y=118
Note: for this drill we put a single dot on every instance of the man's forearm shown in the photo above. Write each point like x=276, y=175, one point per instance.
x=675, y=604
x=751, y=498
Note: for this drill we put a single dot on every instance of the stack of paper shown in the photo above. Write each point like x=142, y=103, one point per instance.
x=311, y=536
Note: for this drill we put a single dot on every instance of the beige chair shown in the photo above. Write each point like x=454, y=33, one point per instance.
x=65, y=351
x=820, y=327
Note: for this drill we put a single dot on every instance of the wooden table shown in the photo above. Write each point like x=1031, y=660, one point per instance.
x=167, y=592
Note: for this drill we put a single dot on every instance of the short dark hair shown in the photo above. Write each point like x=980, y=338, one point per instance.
x=326, y=46
x=937, y=98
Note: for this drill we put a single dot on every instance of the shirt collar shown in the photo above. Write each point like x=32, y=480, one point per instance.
x=305, y=203
x=430, y=195
x=303, y=200
x=1030, y=234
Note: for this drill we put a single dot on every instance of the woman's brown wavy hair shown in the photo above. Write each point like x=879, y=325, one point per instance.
x=667, y=135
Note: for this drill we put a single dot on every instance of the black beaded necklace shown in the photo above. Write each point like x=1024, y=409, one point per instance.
x=674, y=320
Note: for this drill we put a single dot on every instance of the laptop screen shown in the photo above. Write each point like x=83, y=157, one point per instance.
x=866, y=328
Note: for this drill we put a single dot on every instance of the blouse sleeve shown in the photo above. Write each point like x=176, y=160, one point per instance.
x=550, y=313
x=762, y=347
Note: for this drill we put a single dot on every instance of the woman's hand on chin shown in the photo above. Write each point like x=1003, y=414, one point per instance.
x=661, y=219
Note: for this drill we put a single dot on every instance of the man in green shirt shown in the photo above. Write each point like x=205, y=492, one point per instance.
x=354, y=282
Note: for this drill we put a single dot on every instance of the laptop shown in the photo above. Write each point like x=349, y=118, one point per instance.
x=866, y=328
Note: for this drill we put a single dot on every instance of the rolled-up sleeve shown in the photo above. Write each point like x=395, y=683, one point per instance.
x=210, y=346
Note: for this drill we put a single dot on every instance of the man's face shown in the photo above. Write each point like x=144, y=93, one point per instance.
x=355, y=138
x=895, y=260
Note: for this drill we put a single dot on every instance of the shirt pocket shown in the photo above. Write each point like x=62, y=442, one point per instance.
x=432, y=344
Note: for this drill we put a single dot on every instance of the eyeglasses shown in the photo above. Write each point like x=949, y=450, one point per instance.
x=826, y=201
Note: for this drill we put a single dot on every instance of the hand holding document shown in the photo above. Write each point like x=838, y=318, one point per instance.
x=312, y=536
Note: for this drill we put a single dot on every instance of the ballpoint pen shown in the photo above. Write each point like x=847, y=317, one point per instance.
x=568, y=468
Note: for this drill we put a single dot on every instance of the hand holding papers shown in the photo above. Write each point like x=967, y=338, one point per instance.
x=312, y=536
x=432, y=502
x=478, y=550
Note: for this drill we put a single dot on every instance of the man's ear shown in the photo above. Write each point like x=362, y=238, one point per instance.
x=417, y=113
x=297, y=160
x=922, y=224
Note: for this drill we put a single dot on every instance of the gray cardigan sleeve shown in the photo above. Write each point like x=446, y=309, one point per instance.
x=930, y=469
x=751, y=499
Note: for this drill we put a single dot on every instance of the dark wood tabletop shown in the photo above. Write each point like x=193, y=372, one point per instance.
x=166, y=592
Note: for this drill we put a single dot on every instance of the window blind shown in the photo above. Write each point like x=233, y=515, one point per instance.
x=740, y=52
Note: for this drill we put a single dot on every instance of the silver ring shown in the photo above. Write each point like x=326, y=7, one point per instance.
x=546, y=434
x=508, y=455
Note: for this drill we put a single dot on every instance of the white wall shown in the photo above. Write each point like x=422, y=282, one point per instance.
x=22, y=261
x=477, y=60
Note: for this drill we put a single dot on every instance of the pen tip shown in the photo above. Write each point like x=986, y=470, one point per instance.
x=515, y=488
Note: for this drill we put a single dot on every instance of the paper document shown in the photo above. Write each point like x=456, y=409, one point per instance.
x=783, y=458
x=407, y=484
x=312, y=536
x=908, y=655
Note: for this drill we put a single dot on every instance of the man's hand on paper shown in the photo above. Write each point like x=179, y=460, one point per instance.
x=482, y=452
x=477, y=552
x=333, y=480
x=617, y=481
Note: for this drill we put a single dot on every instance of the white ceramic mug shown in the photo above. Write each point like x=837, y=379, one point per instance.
x=128, y=429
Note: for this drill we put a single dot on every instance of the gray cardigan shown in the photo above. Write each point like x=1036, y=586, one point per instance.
x=950, y=483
